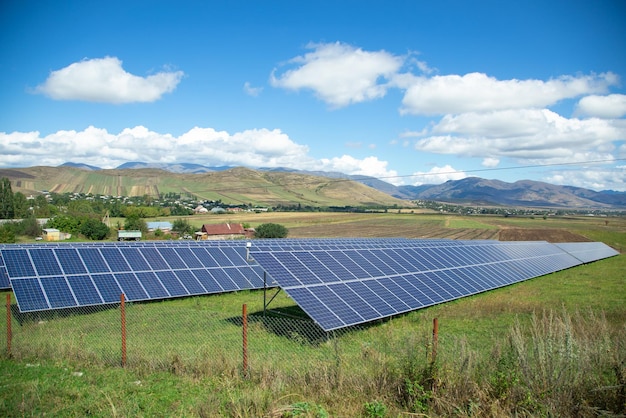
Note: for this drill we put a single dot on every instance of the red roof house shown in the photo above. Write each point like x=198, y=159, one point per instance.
x=224, y=231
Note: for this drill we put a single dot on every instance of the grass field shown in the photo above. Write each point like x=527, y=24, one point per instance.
x=550, y=346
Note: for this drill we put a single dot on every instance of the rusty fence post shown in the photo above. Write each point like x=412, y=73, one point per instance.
x=435, y=338
x=9, y=330
x=123, y=314
x=244, y=319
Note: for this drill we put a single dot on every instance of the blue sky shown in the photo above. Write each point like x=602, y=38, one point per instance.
x=412, y=92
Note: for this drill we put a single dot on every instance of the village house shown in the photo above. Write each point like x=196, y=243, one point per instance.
x=224, y=231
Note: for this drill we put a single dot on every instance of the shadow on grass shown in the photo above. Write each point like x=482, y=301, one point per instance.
x=293, y=323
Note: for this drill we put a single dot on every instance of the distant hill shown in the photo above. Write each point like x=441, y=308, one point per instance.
x=234, y=185
x=477, y=191
x=81, y=166
x=287, y=186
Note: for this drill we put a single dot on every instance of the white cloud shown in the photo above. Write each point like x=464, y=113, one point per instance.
x=591, y=178
x=205, y=146
x=477, y=92
x=369, y=166
x=528, y=135
x=607, y=107
x=251, y=91
x=437, y=175
x=340, y=74
x=491, y=162
x=104, y=80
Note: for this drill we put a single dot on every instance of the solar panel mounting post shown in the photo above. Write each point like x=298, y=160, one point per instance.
x=9, y=331
x=265, y=303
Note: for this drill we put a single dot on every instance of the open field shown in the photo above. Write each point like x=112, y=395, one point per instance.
x=431, y=225
x=550, y=346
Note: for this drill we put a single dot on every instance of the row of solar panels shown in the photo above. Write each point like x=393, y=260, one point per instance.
x=338, y=282
x=316, y=243
x=343, y=288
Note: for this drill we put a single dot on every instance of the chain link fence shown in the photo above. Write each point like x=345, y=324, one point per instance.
x=203, y=336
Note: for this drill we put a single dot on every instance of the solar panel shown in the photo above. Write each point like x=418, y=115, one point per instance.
x=343, y=285
x=337, y=281
x=4, y=278
x=588, y=251
x=47, y=277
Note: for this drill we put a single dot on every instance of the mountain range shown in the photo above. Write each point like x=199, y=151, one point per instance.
x=315, y=188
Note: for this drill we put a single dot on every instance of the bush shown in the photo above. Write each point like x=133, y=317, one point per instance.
x=94, y=229
x=7, y=236
x=271, y=230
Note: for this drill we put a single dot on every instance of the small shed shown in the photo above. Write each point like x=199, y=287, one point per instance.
x=51, y=234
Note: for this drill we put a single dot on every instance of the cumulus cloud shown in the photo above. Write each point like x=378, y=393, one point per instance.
x=104, y=80
x=369, y=166
x=477, y=92
x=204, y=146
x=529, y=135
x=437, y=175
x=607, y=107
x=251, y=91
x=340, y=74
x=591, y=178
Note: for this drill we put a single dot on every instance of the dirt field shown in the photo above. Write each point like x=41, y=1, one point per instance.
x=336, y=225
x=550, y=235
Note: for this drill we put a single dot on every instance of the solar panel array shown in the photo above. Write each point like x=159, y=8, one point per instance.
x=338, y=282
x=349, y=286
x=587, y=252
x=64, y=276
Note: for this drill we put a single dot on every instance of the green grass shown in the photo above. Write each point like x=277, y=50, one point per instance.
x=550, y=346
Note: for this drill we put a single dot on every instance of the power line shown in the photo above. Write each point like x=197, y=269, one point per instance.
x=366, y=178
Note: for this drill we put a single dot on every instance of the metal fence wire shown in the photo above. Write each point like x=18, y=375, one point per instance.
x=191, y=337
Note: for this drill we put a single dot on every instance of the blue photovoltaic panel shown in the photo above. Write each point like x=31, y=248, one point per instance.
x=339, y=286
x=31, y=294
x=4, y=277
x=588, y=251
x=17, y=263
x=65, y=276
x=360, y=279
x=45, y=262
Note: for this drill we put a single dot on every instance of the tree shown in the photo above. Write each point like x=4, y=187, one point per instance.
x=182, y=227
x=41, y=207
x=7, y=208
x=271, y=230
x=20, y=203
x=6, y=234
x=135, y=223
x=94, y=229
x=30, y=227
x=65, y=223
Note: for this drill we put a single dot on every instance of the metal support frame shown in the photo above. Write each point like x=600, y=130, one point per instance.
x=265, y=302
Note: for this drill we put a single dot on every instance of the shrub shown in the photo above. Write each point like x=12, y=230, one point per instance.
x=271, y=230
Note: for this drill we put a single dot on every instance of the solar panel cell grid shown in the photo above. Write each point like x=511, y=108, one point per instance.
x=362, y=278
x=31, y=295
x=84, y=290
x=207, y=280
x=171, y=283
x=108, y=287
x=131, y=286
x=344, y=292
x=113, y=257
x=58, y=292
x=18, y=263
x=93, y=260
x=190, y=282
